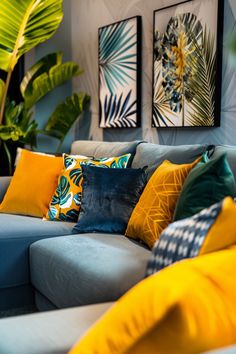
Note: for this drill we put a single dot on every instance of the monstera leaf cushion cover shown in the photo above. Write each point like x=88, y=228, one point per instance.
x=108, y=198
x=66, y=201
x=210, y=230
x=187, y=308
x=32, y=185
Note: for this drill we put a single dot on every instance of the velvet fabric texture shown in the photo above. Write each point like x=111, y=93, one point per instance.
x=187, y=308
x=108, y=198
x=65, y=203
x=208, y=183
x=33, y=184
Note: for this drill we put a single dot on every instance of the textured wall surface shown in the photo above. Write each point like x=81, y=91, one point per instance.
x=86, y=17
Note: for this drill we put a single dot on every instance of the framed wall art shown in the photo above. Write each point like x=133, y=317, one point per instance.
x=120, y=74
x=187, y=64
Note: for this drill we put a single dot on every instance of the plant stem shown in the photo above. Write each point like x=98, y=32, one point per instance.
x=5, y=95
x=9, y=159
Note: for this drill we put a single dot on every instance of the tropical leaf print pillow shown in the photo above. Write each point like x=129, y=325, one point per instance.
x=66, y=201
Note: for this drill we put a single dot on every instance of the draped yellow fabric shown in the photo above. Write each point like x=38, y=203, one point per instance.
x=156, y=206
x=187, y=308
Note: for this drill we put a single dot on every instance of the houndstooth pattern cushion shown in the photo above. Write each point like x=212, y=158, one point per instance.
x=182, y=239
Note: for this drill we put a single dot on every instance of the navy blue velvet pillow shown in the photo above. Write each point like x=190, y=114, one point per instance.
x=108, y=198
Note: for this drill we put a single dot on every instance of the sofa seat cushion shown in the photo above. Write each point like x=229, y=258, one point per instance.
x=51, y=332
x=16, y=234
x=86, y=269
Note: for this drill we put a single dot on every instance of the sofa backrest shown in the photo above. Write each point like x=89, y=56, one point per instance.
x=152, y=155
x=231, y=155
x=100, y=149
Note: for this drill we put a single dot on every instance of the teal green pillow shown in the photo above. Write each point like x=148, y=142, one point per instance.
x=208, y=183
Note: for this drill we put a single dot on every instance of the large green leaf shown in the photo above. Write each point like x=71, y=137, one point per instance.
x=47, y=81
x=23, y=25
x=42, y=66
x=66, y=114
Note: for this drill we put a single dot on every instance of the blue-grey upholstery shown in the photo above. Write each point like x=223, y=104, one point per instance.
x=152, y=155
x=85, y=269
x=16, y=234
x=100, y=149
x=53, y=332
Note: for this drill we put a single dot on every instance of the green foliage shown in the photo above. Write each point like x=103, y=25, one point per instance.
x=65, y=114
x=2, y=89
x=46, y=75
x=25, y=24
x=18, y=125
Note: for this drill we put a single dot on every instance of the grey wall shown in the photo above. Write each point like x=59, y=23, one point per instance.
x=86, y=17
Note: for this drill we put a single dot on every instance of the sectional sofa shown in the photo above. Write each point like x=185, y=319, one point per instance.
x=42, y=264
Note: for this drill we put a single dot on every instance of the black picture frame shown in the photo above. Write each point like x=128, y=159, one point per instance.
x=130, y=117
x=219, y=23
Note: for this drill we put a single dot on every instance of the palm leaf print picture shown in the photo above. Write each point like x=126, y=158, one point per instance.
x=120, y=74
x=187, y=56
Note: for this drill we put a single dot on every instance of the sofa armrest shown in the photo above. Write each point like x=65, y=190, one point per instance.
x=4, y=184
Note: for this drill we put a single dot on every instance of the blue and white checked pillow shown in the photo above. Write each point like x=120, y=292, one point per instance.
x=182, y=239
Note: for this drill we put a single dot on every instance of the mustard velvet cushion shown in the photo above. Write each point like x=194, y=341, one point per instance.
x=210, y=230
x=66, y=201
x=156, y=206
x=187, y=308
x=32, y=185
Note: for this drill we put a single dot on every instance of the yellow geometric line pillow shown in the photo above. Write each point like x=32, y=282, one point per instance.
x=155, y=208
x=187, y=308
x=66, y=201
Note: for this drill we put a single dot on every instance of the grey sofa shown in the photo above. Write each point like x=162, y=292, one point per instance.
x=43, y=264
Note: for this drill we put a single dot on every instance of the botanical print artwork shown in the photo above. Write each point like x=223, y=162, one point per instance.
x=119, y=74
x=186, y=72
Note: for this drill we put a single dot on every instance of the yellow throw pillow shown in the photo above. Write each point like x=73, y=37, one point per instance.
x=187, y=308
x=202, y=233
x=66, y=201
x=155, y=208
x=32, y=184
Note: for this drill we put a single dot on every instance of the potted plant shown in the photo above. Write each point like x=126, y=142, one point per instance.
x=24, y=24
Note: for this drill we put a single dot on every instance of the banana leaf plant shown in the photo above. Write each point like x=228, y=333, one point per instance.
x=23, y=25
